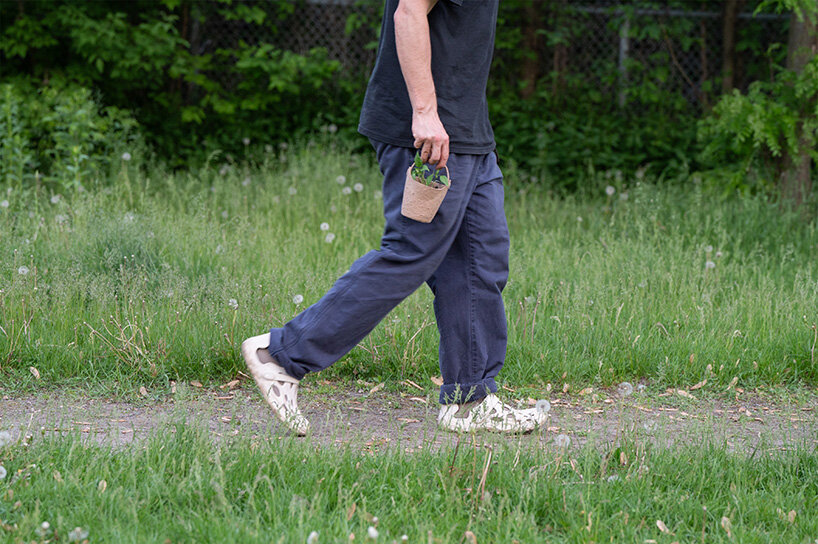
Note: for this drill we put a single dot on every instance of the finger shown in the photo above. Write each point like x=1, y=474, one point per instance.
x=444, y=154
x=434, y=157
x=426, y=150
x=418, y=143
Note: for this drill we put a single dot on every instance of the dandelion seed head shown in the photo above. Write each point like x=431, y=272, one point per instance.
x=283, y=146
x=292, y=190
x=225, y=215
x=579, y=219
x=78, y=534
x=23, y=270
x=610, y=190
x=346, y=190
x=55, y=199
x=530, y=299
x=3, y=472
x=4, y=204
x=710, y=265
x=268, y=148
x=340, y=180
x=5, y=439
x=625, y=389
x=378, y=195
x=332, y=129
x=246, y=182
x=623, y=196
x=233, y=303
x=60, y=218
x=224, y=170
x=613, y=478
x=45, y=526
x=126, y=156
x=708, y=249
x=298, y=299
x=358, y=187
x=324, y=226
x=372, y=533
x=245, y=141
x=562, y=441
x=543, y=406
x=404, y=538
x=313, y=538
x=329, y=237
x=719, y=254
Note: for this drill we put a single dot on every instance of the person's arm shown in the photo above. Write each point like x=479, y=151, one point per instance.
x=415, y=57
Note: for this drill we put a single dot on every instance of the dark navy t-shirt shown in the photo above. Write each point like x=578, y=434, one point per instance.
x=462, y=38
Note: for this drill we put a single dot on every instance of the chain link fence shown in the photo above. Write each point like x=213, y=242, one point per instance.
x=606, y=43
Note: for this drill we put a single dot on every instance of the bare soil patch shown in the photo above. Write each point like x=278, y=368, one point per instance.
x=372, y=420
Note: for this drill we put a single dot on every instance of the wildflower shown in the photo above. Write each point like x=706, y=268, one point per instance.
x=298, y=299
x=5, y=439
x=329, y=237
x=233, y=303
x=625, y=389
x=562, y=441
x=23, y=270
x=128, y=217
x=543, y=406
x=4, y=204
x=2, y=472
x=313, y=538
x=340, y=180
x=346, y=190
x=530, y=299
x=42, y=530
x=268, y=148
x=292, y=190
x=378, y=195
x=246, y=182
x=708, y=249
x=358, y=187
x=404, y=538
x=126, y=156
x=609, y=190
x=55, y=199
x=332, y=129
x=613, y=478
x=579, y=219
x=710, y=265
x=372, y=533
x=77, y=535
x=641, y=387
x=245, y=141
x=719, y=254
x=324, y=226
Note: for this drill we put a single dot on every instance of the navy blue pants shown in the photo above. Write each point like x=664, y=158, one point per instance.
x=462, y=255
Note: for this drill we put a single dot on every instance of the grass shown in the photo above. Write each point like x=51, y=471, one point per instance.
x=159, y=276
x=180, y=485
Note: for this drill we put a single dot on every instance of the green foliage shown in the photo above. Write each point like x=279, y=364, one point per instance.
x=60, y=135
x=755, y=132
x=424, y=174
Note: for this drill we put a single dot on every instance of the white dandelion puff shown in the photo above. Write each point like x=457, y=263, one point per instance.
x=346, y=190
x=224, y=170
x=246, y=182
x=340, y=180
x=623, y=196
x=5, y=439
x=55, y=199
x=268, y=148
x=332, y=129
x=378, y=195
x=23, y=270
x=562, y=441
x=60, y=218
x=298, y=299
x=292, y=190
x=283, y=146
x=372, y=533
x=245, y=141
x=3, y=472
x=708, y=249
x=329, y=237
x=324, y=226
x=313, y=538
x=543, y=406
x=126, y=156
x=709, y=265
x=719, y=254
x=233, y=303
x=77, y=535
x=610, y=190
x=358, y=187
x=4, y=204
x=613, y=478
x=625, y=389
x=225, y=215
x=404, y=538
x=579, y=219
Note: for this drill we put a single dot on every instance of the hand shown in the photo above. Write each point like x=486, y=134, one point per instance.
x=431, y=138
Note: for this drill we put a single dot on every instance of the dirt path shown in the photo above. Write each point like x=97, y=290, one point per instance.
x=373, y=420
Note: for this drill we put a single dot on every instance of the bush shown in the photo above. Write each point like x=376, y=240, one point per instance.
x=60, y=135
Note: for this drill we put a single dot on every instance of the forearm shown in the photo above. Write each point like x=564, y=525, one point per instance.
x=415, y=53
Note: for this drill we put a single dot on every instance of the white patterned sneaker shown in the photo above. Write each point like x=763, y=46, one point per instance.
x=280, y=390
x=490, y=414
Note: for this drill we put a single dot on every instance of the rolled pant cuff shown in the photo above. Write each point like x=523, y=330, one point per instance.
x=460, y=393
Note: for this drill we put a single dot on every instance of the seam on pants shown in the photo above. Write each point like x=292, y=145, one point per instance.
x=470, y=285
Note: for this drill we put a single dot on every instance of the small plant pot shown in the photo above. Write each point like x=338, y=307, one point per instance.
x=421, y=201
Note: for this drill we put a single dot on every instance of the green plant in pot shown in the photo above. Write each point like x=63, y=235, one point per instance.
x=424, y=190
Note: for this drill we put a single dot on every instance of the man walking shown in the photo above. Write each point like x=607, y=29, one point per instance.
x=427, y=92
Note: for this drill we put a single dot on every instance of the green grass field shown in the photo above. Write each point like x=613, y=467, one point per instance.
x=180, y=486
x=160, y=276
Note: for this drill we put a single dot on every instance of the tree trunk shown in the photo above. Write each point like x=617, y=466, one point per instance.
x=728, y=51
x=802, y=46
x=530, y=70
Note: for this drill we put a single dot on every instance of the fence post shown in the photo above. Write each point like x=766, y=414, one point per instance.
x=624, y=44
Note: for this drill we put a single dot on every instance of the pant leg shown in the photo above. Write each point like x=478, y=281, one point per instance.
x=377, y=282
x=468, y=287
